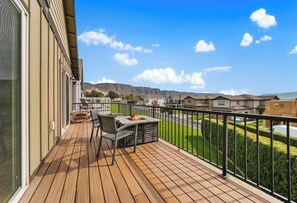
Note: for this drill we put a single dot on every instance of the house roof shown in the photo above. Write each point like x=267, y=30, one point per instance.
x=209, y=96
x=250, y=97
x=154, y=96
x=72, y=38
x=270, y=97
x=177, y=96
x=232, y=98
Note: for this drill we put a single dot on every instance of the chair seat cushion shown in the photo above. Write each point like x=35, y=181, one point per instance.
x=121, y=134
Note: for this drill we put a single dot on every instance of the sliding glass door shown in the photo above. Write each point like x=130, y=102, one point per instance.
x=10, y=99
x=64, y=99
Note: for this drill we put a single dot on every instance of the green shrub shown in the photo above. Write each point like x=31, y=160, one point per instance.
x=280, y=153
x=266, y=133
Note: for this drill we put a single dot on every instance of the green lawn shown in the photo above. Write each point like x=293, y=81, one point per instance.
x=187, y=138
x=254, y=124
x=114, y=108
x=195, y=118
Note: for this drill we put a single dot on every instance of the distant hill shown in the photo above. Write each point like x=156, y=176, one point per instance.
x=129, y=89
x=285, y=95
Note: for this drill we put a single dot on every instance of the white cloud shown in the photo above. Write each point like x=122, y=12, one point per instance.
x=169, y=75
x=294, y=50
x=233, y=91
x=262, y=19
x=156, y=45
x=147, y=51
x=95, y=38
x=246, y=40
x=266, y=38
x=100, y=38
x=218, y=69
x=202, y=46
x=125, y=60
x=197, y=87
x=103, y=80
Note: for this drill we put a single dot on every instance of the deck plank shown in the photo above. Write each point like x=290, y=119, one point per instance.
x=145, y=185
x=109, y=190
x=83, y=194
x=42, y=170
x=117, y=177
x=155, y=173
x=55, y=192
x=96, y=190
x=45, y=185
x=69, y=191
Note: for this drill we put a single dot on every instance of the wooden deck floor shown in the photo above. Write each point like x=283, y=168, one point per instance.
x=155, y=173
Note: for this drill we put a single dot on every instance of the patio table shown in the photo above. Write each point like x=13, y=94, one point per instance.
x=147, y=130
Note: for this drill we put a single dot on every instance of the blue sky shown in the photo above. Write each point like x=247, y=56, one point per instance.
x=231, y=47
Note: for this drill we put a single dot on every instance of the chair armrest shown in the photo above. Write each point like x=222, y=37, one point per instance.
x=96, y=119
x=127, y=126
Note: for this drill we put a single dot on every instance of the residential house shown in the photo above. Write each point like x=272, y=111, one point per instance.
x=175, y=101
x=264, y=99
x=39, y=73
x=154, y=100
x=199, y=102
x=238, y=104
x=286, y=108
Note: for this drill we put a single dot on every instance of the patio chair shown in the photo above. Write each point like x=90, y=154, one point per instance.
x=85, y=104
x=109, y=126
x=95, y=122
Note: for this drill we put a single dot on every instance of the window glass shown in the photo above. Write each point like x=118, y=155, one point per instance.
x=10, y=102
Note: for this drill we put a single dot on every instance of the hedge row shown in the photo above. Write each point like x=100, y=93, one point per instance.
x=280, y=153
x=266, y=133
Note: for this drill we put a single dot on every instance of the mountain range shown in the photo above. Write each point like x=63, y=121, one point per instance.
x=129, y=89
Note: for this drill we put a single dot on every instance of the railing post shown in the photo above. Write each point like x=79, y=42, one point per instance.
x=119, y=108
x=130, y=109
x=154, y=114
x=224, y=175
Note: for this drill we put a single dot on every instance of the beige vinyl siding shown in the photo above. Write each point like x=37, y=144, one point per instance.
x=44, y=86
x=56, y=91
x=34, y=85
x=51, y=86
x=44, y=80
x=57, y=12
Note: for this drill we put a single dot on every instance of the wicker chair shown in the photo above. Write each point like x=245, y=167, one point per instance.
x=109, y=126
x=95, y=122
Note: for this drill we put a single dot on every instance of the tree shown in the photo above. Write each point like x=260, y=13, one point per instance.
x=112, y=95
x=94, y=93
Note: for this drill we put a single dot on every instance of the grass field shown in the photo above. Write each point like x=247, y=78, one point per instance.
x=254, y=124
x=189, y=139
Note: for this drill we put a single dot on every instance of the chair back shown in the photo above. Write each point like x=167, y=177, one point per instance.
x=83, y=101
x=108, y=124
x=94, y=116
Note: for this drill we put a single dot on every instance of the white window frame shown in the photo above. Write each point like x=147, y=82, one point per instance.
x=221, y=102
x=63, y=70
x=25, y=101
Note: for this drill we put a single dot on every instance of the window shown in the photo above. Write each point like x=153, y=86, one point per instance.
x=11, y=100
x=221, y=102
x=64, y=98
x=189, y=100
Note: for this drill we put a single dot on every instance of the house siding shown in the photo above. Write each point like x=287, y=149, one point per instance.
x=47, y=53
